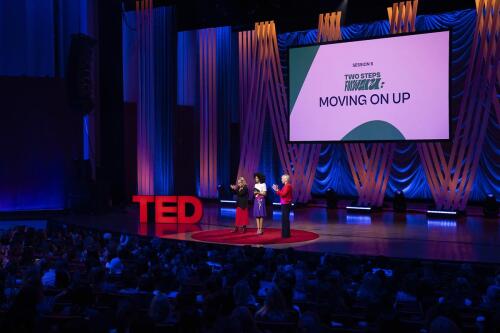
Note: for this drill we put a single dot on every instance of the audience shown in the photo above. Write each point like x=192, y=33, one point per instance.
x=75, y=279
x=442, y=324
x=274, y=308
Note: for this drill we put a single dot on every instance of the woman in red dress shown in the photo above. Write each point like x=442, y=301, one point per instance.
x=241, y=191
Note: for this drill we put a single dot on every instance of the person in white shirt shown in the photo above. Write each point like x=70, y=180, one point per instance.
x=259, y=203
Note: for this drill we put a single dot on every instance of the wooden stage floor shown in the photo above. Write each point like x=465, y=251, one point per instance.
x=410, y=235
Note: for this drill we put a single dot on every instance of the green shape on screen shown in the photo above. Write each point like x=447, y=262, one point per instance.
x=302, y=59
x=374, y=130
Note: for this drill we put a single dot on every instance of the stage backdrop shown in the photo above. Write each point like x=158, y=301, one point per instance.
x=149, y=87
x=207, y=74
x=407, y=173
x=35, y=38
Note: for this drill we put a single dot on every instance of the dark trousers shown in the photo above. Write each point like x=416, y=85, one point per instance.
x=285, y=220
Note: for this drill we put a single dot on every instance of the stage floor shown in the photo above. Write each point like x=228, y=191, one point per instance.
x=410, y=235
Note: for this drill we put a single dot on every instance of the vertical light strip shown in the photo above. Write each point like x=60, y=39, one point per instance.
x=208, y=112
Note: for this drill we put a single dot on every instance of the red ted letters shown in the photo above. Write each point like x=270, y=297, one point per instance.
x=169, y=209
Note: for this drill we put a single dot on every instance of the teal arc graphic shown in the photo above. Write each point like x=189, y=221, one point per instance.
x=374, y=130
x=302, y=59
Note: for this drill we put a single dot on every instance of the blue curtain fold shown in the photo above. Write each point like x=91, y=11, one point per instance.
x=269, y=164
x=187, y=68
x=27, y=38
x=227, y=99
x=130, y=57
x=34, y=41
x=162, y=97
x=188, y=76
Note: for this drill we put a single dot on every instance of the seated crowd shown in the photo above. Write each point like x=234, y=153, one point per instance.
x=68, y=278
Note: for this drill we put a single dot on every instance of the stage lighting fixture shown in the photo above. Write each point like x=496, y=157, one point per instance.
x=331, y=198
x=359, y=209
x=228, y=202
x=490, y=207
x=442, y=213
x=399, y=203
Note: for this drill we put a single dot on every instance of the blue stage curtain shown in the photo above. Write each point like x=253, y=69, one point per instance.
x=407, y=173
x=35, y=37
x=130, y=57
x=188, y=77
x=227, y=99
x=187, y=68
x=27, y=38
x=35, y=42
x=270, y=164
x=164, y=90
x=159, y=146
x=227, y=91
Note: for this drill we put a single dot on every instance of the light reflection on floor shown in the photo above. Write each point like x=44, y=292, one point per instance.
x=358, y=219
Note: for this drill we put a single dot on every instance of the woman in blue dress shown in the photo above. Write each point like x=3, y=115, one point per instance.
x=259, y=203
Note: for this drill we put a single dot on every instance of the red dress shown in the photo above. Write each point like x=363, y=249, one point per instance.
x=241, y=206
x=241, y=217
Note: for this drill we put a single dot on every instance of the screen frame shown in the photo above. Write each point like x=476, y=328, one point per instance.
x=450, y=37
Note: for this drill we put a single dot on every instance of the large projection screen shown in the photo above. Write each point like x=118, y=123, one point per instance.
x=394, y=88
